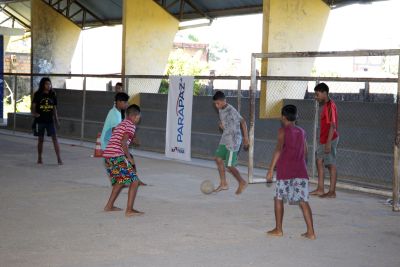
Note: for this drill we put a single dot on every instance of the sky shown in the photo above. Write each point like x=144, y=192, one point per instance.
x=370, y=26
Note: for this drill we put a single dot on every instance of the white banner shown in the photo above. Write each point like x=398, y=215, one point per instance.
x=179, y=117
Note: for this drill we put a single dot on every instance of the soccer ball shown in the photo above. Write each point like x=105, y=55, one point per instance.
x=207, y=187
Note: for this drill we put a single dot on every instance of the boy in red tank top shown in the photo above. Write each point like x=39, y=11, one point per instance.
x=328, y=141
x=292, y=178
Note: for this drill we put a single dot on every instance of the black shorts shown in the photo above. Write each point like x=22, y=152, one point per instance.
x=41, y=128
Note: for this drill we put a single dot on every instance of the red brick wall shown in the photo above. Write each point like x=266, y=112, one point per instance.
x=17, y=63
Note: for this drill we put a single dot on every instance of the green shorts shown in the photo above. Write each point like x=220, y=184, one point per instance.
x=230, y=157
x=328, y=159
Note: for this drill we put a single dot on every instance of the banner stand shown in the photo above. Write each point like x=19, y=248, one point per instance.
x=179, y=118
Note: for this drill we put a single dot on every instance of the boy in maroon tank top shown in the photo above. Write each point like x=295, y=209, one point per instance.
x=292, y=179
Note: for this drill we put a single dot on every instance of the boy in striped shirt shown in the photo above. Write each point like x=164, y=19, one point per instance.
x=119, y=162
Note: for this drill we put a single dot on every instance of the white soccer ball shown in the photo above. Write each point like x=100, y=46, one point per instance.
x=207, y=187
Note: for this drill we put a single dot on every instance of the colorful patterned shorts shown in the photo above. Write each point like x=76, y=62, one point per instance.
x=120, y=171
x=292, y=190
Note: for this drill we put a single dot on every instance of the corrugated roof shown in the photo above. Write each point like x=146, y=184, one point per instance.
x=109, y=12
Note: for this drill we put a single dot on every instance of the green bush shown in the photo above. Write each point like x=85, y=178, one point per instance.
x=181, y=63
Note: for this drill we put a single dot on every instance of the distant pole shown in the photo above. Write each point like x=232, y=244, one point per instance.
x=1, y=76
x=83, y=111
x=315, y=129
x=253, y=90
x=396, y=174
x=15, y=88
x=239, y=95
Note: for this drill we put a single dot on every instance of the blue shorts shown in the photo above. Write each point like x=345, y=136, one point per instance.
x=328, y=159
x=41, y=128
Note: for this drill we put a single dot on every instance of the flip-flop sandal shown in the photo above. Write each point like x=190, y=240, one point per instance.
x=220, y=188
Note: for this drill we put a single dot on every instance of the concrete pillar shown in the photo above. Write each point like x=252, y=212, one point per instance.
x=289, y=26
x=54, y=39
x=148, y=36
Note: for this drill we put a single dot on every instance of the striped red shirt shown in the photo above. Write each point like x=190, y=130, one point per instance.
x=114, y=147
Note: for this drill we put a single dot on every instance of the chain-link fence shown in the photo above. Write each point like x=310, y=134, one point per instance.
x=366, y=107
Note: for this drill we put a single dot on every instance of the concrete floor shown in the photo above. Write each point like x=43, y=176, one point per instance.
x=52, y=216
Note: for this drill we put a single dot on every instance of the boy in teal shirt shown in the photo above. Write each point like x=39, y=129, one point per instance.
x=113, y=118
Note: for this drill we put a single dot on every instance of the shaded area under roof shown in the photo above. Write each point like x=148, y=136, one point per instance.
x=109, y=12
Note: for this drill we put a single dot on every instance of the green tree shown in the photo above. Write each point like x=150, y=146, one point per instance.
x=193, y=38
x=181, y=63
x=217, y=51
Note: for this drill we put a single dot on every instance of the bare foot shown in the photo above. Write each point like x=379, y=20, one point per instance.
x=329, y=195
x=112, y=209
x=275, y=232
x=317, y=192
x=39, y=161
x=221, y=188
x=310, y=236
x=130, y=213
x=241, y=188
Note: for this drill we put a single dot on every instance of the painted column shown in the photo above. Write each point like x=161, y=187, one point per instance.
x=148, y=36
x=1, y=77
x=289, y=26
x=54, y=39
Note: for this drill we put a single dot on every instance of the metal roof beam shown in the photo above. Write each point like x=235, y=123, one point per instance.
x=82, y=9
x=226, y=12
x=195, y=7
x=9, y=13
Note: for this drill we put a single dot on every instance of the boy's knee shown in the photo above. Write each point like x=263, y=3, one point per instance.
x=302, y=203
x=134, y=184
x=331, y=167
x=231, y=169
x=218, y=160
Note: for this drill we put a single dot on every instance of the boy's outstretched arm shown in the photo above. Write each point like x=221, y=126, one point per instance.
x=124, y=145
x=245, y=133
x=277, y=154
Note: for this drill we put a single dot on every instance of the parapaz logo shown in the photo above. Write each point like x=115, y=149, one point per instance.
x=180, y=109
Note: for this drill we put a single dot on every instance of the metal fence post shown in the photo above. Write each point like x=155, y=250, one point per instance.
x=239, y=95
x=396, y=162
x=83, y=111
x=126, y=85
x=15, y=103
x=253, y=90
x=314, y=150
